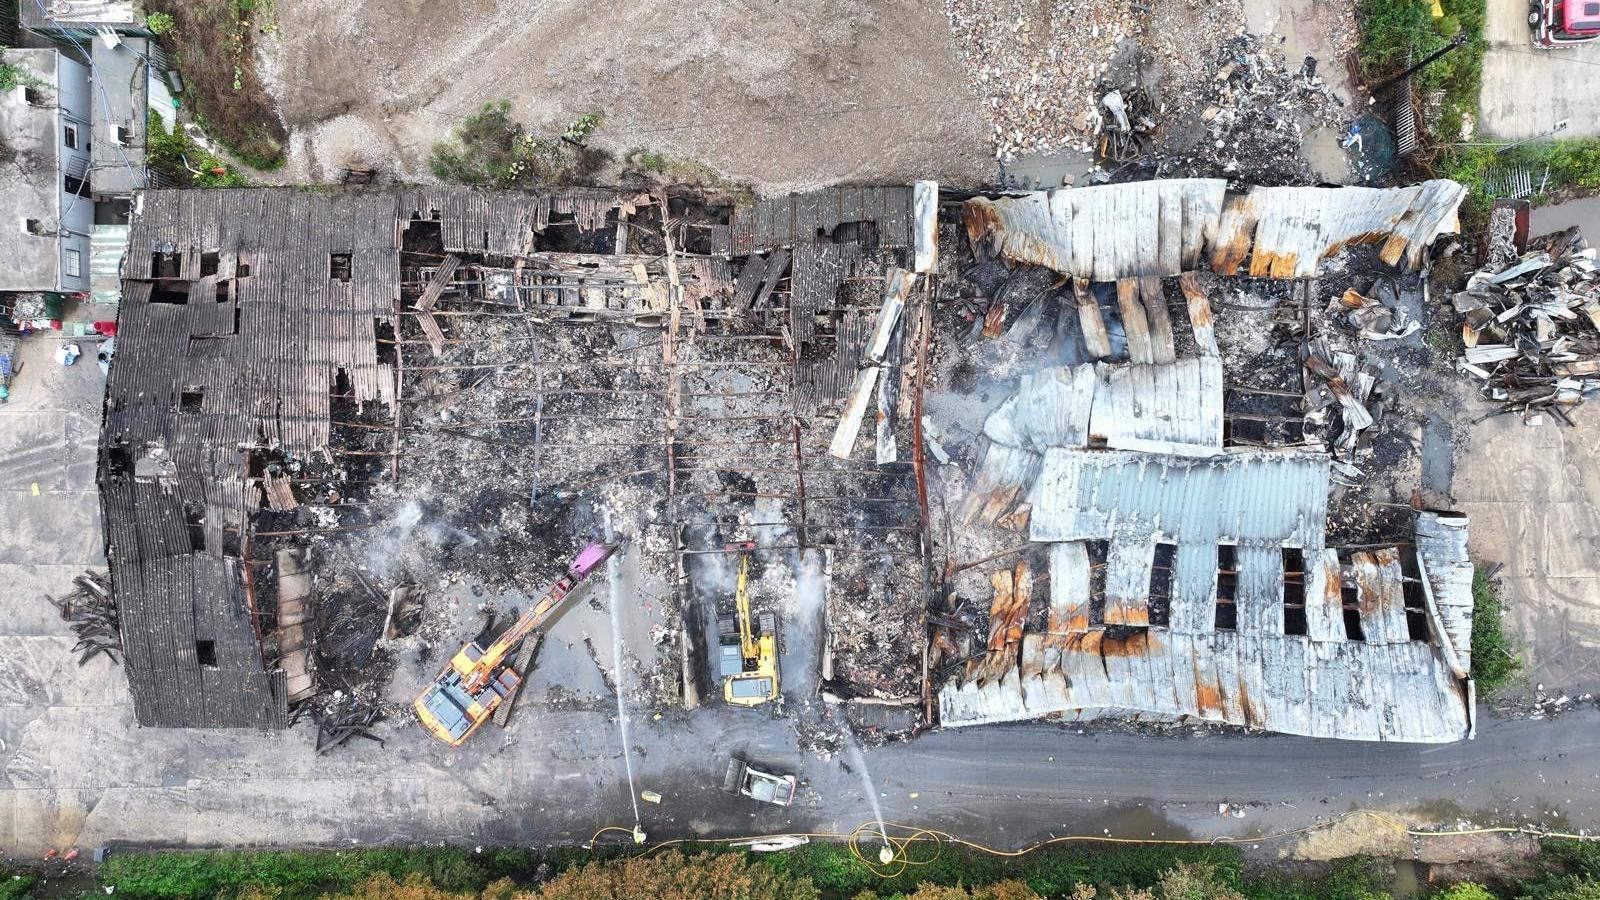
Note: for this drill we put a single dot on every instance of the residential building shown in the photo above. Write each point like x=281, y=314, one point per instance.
x=46, y=204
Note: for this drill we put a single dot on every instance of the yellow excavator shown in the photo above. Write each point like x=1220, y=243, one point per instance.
x=478, y=679
x=748, y=659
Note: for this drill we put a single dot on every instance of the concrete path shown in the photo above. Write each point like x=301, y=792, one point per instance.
x=1533, y=493
x=1584, y=213
x=1527, y=91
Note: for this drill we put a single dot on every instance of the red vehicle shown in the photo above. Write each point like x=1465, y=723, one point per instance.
x=1562, y=23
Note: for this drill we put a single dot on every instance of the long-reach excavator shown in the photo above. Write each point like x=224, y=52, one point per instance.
x=478, y=679
x=749, y=663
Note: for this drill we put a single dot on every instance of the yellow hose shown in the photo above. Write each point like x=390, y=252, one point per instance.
x=899, y=839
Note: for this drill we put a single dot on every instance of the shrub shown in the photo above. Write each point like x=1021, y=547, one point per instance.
x=1466, y=890
x=1395, y=33
x=16, y=886
x=158, y=22
x=489, y=148
x=675, y=876
x=1495, y=658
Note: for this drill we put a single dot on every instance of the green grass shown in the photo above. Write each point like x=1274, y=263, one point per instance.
x=1571, y=163
x=1395, y=33
x=15, y=886
x=1496, y=658
x=287, y=875
x=168, y=151
x=1052, y=872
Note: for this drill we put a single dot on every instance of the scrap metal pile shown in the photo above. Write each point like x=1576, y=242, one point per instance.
x=93, y=614
x=1531, y=326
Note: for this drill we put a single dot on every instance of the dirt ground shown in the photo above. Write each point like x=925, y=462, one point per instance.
x=785, y=96
x=781, y=97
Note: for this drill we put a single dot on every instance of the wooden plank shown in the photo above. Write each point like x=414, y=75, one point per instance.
x=1095, y=337
x=1155, y=307
x=1200, y=321
x=439, y=281
x=1134, y=325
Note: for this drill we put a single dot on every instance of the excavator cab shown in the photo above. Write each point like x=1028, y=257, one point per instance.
x=747, y=657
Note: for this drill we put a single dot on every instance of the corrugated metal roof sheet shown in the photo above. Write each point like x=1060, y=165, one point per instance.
x=1164, y=227
x=1238, y=497
x=1442, y=548
x=1348, y=689
x=107, y=246
x=1174, y=408
x=1107, y=232
x=1294, y=228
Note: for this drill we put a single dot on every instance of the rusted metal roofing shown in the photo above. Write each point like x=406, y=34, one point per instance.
x=1384, y=686
x=1288, y=231
x=1103, y=233
x=1237, y=497
x=1349, y=690
x=1166, y=227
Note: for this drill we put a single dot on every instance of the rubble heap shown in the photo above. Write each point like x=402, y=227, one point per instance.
x=1035, y=69
x=1251, y=122
x=1531, y=326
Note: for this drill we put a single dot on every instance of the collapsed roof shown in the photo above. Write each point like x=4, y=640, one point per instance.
x=1190, y=578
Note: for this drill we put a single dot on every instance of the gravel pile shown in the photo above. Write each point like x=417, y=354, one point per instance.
x=1035, y=65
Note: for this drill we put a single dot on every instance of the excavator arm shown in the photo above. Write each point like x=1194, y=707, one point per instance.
x=477, y=679
x=741, y=603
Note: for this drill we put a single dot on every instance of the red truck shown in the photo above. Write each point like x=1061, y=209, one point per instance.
x=1563, y=23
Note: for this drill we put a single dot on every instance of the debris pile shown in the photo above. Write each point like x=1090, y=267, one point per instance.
x=93, y=614
x=1531, y=326
x=1251, y=129
x=1035, y=69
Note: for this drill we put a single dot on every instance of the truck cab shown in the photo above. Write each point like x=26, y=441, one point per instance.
x=1563, y=23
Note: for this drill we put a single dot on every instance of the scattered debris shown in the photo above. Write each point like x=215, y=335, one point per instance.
x=1531, y=327
x=93, y=613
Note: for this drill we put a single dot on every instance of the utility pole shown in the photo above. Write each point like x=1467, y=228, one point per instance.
x=1455, y=42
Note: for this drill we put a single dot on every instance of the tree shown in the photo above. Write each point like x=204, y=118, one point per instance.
x=384, y=887
x=1009, y=889
x=1184, y=881
x=674, y=876
x=1466, y=890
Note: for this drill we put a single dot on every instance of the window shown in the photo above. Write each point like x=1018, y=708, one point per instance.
x=75, y=186
x=74, y=263
x=1350, y=604
x=33, y=96
x=1294, y=591
x=191, y=399
x=339, y=266
x=33, y=227
x=205, y=652
x=1227, y=585
x=122, y=135
x=209, y=263
x=70, y=136
x=1166, y=556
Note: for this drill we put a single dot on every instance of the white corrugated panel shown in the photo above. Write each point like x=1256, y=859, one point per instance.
x=1240, y=497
